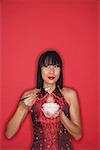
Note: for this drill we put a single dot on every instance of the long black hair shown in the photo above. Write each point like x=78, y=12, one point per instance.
x=50, y=57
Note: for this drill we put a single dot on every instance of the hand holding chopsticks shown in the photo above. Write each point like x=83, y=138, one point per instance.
x=29, y=98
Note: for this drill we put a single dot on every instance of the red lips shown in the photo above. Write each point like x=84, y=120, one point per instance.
x=51, y=78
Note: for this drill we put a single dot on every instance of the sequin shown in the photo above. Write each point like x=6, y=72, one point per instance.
x=41, y=145
x=67, y=145
x=37, y=138
x=60, y=131
x=48, y=146
x=49, y=134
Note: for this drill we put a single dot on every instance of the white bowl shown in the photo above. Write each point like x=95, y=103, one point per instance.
x=51, y=107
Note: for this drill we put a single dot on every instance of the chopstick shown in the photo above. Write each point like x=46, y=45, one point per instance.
x=23, y=98
x=26, y=97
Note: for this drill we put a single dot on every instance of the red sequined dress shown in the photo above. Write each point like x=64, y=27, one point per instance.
x=50, y=134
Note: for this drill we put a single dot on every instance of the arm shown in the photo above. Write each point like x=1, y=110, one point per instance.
x=16, y=121
x=73, y=125
x=21, y=112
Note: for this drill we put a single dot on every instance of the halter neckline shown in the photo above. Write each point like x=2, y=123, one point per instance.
x=55, y=92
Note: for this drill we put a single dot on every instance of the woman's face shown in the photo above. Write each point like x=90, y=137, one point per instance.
x=50, y=74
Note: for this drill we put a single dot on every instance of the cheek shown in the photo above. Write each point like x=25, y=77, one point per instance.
x=44, y=73
x=57, y=73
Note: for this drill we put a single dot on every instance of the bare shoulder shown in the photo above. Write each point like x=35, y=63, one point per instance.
x=69, y=91
x=69, y=94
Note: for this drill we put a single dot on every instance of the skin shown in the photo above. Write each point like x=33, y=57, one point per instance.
x=51, y=70
x=73, y=125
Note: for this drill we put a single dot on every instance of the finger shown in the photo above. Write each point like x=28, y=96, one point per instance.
x=47, y=114
x=25, y=97
x=28, y=100
x=36, y=90
x=32, y=95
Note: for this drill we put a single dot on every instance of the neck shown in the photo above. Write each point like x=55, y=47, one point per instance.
x=51, y=86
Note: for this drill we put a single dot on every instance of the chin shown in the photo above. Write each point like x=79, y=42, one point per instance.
x=51, y=81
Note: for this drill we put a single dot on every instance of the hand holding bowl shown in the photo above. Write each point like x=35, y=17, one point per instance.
x=50, y=110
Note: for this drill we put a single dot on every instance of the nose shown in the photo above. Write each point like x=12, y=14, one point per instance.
x=51, y=69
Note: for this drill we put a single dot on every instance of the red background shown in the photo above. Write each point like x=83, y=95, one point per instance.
x=28, y=27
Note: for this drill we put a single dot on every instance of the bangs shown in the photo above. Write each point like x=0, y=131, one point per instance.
x=50, y=57
x=51, y=60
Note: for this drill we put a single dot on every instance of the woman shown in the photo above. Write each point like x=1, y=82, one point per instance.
x=51, y=131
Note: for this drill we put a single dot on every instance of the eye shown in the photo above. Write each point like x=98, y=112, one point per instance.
x=56, y=66
x=45, y=65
